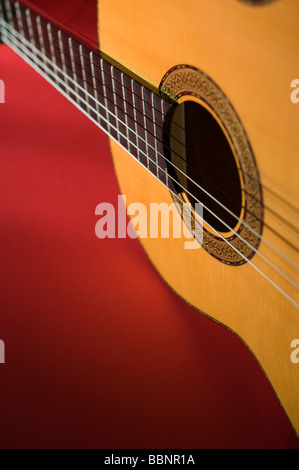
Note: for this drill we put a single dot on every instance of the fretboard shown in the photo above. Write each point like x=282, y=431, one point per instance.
x=125, y=109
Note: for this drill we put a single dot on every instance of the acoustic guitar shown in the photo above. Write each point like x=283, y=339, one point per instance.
x=200, y=101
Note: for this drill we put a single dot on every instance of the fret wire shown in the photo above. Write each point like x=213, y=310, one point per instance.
x=104, y=94
x=74, y=73
x=8, y=11
x=34, y=64
x=163, y=112
x=125, y=109
x=84, y=74
x=114, y=102
x=30, y=27
x=135, y=117
x=144, y=124
x=40, y=35
x=19, y=18
x=94, y=83
x=52, y=50
x=155, y=133
x=62, y=54
x=43, y=39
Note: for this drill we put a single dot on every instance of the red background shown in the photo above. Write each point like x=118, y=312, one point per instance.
x=99, y=351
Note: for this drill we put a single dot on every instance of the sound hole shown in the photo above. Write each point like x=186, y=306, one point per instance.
x=206, y=169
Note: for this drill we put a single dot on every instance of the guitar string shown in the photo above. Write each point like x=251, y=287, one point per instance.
x=137, y=147
x=34, y=65
x=204, y=164
x=203, y=146
x=118, y=119
x=18, y=16
x=18, y=9
x=280, y=272
x=87, y=79
x=173, y=101
x=158, y=140
x=265, y=207
x=84, y=91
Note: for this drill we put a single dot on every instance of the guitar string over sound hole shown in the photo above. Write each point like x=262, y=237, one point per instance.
x=211, y=161
x=204, y=165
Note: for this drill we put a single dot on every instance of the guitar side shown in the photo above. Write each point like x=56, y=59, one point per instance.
x=254, y=61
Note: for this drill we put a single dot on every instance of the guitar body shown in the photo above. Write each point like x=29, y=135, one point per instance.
x=251, y=54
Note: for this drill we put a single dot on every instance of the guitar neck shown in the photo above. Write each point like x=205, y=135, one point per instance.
x=126, y=110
